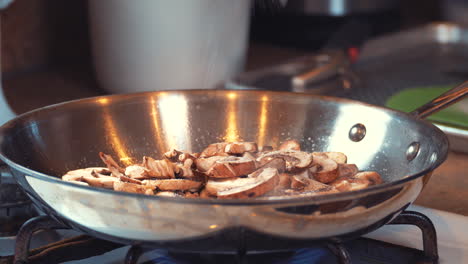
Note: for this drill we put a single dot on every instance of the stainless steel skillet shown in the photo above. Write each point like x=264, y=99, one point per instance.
x=42, y=144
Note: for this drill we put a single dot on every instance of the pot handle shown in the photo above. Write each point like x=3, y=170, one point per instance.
x=442, y=101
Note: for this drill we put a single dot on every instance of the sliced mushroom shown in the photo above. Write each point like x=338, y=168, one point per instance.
x=204, y=164
x=290, y=145
x=264, y=182
x=349, y=184
x=325, y=170
x=338, y=157
x=110, y=162
x=96, y=174
x=104, y=182
x=295, y=160
x=161, y=169
x=300, y=180
x=173, y=184
x=240, y=147
x=347, y=170
x=304, y=183
x=136, y=172
x=215, y=149
x=213, y=186
x=232, y=167
x=116, y=173
x=284, y=179
x=131, y=187
x=128, y=179
x=371, y=176
x=77, y=175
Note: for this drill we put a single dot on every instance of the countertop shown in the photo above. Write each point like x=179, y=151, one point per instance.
x=447, y=190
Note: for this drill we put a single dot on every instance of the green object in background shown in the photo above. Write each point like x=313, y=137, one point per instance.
x=410, y=99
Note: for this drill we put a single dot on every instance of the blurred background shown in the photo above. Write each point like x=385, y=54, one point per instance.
x=47, y=46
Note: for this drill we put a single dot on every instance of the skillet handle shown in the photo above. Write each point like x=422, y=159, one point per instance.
x=442, y=101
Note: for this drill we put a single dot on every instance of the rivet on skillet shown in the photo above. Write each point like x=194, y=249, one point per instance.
x=357, y=132
x=412, y=151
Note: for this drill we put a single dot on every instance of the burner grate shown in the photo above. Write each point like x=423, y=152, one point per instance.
x=344, y=253
x=15, y=206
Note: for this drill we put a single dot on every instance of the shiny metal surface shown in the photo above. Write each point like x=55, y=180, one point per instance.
x=412, y=151
x=450, y=97
x=43, y=144
x=357, y=132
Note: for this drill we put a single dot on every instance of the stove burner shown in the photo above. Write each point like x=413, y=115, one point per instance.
x=338, y=250
x=343, y=253
x=83, y=246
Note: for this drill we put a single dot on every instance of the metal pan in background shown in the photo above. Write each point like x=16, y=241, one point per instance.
x=326, y=72
x=319, y=73
x=427, y=56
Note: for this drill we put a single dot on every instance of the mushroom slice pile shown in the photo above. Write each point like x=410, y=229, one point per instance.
x=231, y=170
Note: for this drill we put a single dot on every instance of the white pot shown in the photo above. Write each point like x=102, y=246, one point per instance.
x=149, y=45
